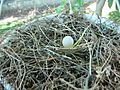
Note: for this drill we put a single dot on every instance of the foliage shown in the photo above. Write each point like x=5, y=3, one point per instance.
x=13, y=24
x=9, y=25
x=61, y=7
x=110, y=2
x=76, y=5
x=115, y=16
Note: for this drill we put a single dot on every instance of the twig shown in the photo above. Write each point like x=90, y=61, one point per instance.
x=70, y=6
x=78, y=41
x=70, y=85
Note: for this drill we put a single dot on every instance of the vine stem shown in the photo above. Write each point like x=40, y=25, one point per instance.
x=71, y=11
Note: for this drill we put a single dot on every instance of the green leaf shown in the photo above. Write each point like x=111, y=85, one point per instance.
x=110, y=2
x=80, y=2
x=61, y=7
x=63, y=2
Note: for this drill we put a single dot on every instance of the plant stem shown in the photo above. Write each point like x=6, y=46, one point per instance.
x=71, y=11
x=118, y=4
x=78, y=41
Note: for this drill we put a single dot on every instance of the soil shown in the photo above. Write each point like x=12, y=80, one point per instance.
x=22, y=13
x=18, y=8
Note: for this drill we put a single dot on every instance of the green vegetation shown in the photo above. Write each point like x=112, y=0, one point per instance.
x=115, y=16
x=60, y=8
x=75, y=5
x=110, y=2
x=5, y=26
x=9, y=25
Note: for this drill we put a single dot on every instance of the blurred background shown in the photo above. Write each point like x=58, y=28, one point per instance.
x=16, y=12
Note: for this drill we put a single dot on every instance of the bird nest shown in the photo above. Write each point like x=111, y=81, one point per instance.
x=35, y=58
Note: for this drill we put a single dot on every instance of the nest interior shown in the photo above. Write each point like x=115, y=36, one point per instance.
x=35, y=58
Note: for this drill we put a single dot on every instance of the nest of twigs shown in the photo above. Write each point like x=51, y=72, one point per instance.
x=35, y=58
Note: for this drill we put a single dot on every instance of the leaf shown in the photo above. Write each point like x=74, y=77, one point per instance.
x=61, y=7
x=110, y=2
x=63, y=2
x=80, y=2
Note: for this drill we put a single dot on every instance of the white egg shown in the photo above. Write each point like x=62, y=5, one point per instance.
x=68, y=42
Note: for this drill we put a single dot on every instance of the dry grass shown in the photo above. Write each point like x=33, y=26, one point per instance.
x=36, y=60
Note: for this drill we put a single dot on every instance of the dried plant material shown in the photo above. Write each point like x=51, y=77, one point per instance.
x=35, y=58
